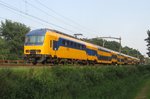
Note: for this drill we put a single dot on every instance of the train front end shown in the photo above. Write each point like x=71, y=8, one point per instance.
x=34, y=46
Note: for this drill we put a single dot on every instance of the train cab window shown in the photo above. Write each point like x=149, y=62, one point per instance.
x=40, y=39
x=34, y=40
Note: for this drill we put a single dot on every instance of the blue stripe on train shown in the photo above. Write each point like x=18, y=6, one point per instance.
x=57, y=44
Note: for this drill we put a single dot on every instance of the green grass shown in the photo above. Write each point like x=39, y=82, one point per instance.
x=144, y=91
x=148, y=95
x=68, y=82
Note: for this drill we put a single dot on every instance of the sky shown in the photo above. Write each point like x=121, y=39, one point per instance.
x=128, y=19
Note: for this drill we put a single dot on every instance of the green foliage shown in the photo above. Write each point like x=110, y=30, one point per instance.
x=71, y=82
x=95, y=41
x=148, y=41
x=147, y=60
x=130, y=51
x=113, y=45
x=3, y=49
x=13, y=34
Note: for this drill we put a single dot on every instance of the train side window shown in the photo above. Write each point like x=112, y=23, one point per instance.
x=79, y=46
x=71, y=43
x=75, y=45
x=83, y=47
x=63, y=42
x=67, y=43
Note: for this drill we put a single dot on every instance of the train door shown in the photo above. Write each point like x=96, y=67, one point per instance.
x=55, y=46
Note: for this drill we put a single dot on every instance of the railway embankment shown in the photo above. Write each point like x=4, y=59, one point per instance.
x=68, y=82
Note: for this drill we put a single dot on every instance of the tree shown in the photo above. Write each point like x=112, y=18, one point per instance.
x=130, y=51
x=13, y=33
x=95, y=41
x=3, y=49
x=148, y=41
x=113, y=45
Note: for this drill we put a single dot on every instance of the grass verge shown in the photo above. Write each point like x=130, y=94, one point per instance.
x=72, y=82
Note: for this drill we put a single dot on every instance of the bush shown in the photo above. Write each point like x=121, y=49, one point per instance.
x=71, y=82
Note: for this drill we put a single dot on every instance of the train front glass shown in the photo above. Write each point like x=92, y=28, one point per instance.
x=34, y=40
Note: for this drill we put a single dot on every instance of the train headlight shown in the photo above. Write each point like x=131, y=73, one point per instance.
x=38, y=51
x=27, y=51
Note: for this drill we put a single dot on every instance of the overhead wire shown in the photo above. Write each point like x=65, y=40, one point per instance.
x=37, y=18
x=14, y=12
x=11, y=19
x=43, y=11
x=64, y=17
x=22, y=15
x=58, y=19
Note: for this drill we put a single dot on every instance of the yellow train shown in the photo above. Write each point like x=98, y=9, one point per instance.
x=51, y=46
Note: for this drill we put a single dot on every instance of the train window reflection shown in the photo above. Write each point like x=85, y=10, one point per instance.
x=35, y=40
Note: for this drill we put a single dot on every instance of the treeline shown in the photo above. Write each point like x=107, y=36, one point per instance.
x=12, y=36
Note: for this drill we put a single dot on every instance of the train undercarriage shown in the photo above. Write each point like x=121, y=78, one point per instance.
x=48, y=59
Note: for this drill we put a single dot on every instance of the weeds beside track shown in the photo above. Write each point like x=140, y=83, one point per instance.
x=72, y=82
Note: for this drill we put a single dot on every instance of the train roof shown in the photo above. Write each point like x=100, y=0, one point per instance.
x=36, y=32
x=63, y=33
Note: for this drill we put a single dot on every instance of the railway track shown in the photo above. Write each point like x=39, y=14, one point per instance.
x=9, y=63
x=17, y=63
x=26, y=65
